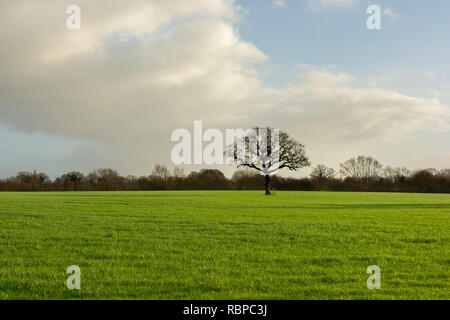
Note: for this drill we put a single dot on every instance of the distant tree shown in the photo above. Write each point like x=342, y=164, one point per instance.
x=243, y=174
x=29, y=181
x=160, y=177
x=434, y=172
x=43, y=178
x=72, y=180
x=445, y=173
x=429, y=180
x=144, y=183
x=160, y=172
x=178, y=179
x=24, y=176
x=259, y=155
x=207, y=179
x=131, y=179
x=217, y=174
x=211, y=179
x=131, y=182
x=388, y=179
x=423, y=174
x=178, y=172
x=74, y=177
x=322, y=172
x=193, y=175
x=361, y=168
x=247, y=179
x=395, y=174
x=105, y=179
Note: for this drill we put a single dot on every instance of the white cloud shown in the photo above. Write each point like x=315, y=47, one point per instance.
x=279, y=3
x=429, y=74
x=331, y=3
x=390, y=12
x=137, y=71
x=325, y=108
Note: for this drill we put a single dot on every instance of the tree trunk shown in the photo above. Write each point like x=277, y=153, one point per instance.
x=267, y=186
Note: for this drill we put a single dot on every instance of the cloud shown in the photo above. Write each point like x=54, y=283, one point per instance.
x=323, y=107
x=331, y=3
x=279, y=3
x=429, y=74
x=390, y=12
x=137, y=71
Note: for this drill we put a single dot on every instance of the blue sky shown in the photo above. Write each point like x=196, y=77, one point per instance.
x=91, y=99
x=414, y=44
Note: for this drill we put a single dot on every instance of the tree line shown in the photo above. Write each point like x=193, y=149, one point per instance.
x=357, y=174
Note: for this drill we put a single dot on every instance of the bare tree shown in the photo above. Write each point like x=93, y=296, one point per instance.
x=260, y=149
x=445, y=173
x=160, y=172
x=396, y=174
x=178, y=172
x=247, y=178
x=361, y=168
x=160, y=177
x=322, y=172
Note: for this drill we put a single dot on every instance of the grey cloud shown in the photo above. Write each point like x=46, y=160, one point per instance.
x=138, y=71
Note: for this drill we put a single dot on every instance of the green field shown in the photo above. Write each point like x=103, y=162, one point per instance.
x=224, y=245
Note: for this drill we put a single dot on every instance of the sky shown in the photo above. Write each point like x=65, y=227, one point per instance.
x=111, y=93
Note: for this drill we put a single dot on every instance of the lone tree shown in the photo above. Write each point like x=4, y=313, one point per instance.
x=268, y=150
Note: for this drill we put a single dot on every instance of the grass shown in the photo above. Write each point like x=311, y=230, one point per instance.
x=224, y=245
